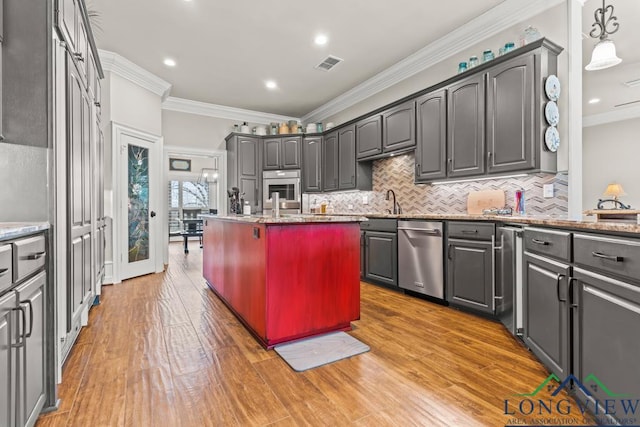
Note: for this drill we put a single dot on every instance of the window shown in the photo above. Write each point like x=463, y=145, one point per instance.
x=185, y=195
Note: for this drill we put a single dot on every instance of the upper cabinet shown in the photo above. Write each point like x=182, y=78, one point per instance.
x=510, y=103
x=398, y=127
x=282, y=153
x=330, y=162
x=341, y=170
x=347, y=158
x=389, y=132
x=244, y=168
x=465, y=136
x=312, y=164
x=431, y=136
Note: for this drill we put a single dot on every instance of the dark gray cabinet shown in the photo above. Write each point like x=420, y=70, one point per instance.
x=546, y=314
x=312, y=164
x=369, y=137
x=431, y=136
x=347, y=158
x=330, y=162
x=510, y=118
x=379, y=251
x=470, y=274
x=7, y=362
x=282, y=153
x=398, y=127
x=465, y=127
x=244, y=168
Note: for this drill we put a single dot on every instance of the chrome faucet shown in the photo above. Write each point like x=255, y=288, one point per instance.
x=396, y=206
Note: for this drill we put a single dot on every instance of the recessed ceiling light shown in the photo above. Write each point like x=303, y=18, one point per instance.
x=321, y=40
x=594, y=101
x=169, y=62
x=270, y=84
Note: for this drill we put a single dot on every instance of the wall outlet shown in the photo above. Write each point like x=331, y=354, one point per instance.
x=350, y=206
x=547, y=191
x=365, y=200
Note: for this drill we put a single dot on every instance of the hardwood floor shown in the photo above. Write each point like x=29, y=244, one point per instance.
x=164, y=350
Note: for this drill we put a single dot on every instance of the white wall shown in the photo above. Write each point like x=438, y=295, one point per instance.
x=195, y=131
x=551, y=24
x=610, y=154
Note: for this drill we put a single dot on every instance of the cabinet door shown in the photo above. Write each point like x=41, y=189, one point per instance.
x=398, y=127
x=605, y=344
x=290, y=149
x=546, y=312
x=31, y=296
x=381, y=257
x=249, y=170
x=510, y=101
x=363, y=261
x=465, y=127
x=431, y=144
x=369, y=137
x=312, y=165
x=66, y=20
x=271, y=153
x=470, y=274
x=82, y=49
x=347, y=158
x=330, y=162
x=7, y=362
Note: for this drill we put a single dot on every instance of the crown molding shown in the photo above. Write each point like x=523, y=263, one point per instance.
x=222, y=111
x=490, y=23
x=121, y=66
x=611, y=116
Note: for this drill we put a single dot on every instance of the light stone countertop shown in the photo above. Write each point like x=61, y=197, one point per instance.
x=586, y=224
x=11, y=230
x=287, y=219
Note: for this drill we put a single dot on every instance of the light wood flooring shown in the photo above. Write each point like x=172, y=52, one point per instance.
x=163, y=350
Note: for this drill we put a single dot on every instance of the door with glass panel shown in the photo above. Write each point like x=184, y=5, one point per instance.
x=139, y=222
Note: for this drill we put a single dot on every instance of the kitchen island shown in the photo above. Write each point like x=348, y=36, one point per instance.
x=285, y=278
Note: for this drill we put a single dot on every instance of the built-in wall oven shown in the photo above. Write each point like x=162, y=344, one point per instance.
x=287, y=184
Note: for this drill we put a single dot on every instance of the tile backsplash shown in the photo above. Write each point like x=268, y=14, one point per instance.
x=397, y=173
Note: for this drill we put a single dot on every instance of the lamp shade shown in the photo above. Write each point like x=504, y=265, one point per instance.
x=603, y=56
x=209, y=175
x=614, y=190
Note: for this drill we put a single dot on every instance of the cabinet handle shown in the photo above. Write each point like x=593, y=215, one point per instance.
x=78, y=56
x=469, y=231
x=574, y=304
x=489, y=154
x=450, y=163
x=20, y=343
x=28, y=302
x=608, y=257
x=449, y=253
x=97, y=104
x=3, y=271
x=540, y=242
x=353, y=179
x=559, y=277
x=34, y=256
x=255, y=192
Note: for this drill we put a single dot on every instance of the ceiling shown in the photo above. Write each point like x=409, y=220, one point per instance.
x=225, y=51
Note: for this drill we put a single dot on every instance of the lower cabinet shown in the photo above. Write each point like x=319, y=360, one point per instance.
x=470, y=274
x=7, y=362
x=546, y=311
x=381, y=257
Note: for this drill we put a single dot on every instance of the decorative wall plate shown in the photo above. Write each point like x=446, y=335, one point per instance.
x=552, y=139
x=552, y=87
x=551, y=113
x=183, y=165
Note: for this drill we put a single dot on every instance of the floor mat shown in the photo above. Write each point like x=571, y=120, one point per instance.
x=316, y=351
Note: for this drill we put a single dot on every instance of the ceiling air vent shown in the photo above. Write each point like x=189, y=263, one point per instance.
x=328, y=63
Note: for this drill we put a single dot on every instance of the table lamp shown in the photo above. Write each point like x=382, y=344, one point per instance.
x=613, y=191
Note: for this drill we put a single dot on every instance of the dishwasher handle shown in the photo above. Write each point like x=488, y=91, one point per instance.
x=424, y=230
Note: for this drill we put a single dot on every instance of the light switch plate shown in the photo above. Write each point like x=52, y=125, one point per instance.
x=365, y=200
x=547, y=191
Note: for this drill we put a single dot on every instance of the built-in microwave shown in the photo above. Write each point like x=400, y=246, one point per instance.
x=287, y=184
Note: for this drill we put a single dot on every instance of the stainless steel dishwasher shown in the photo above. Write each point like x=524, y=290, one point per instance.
x=420, y=257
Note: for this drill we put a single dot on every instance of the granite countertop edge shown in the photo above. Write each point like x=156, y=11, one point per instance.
x=288, y=219
x=10, y=230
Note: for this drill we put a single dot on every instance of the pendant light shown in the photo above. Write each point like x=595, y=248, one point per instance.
x=604, y=52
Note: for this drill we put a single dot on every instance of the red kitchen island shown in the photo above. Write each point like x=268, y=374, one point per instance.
x=285, y=278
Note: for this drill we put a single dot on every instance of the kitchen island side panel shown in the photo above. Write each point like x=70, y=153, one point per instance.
x=313, y=279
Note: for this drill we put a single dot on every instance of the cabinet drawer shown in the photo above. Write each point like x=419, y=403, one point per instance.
x=556, y=244
x=380, y=224
x=613, y=255
x=29, y=255
x=471, y=230
x=5, y=267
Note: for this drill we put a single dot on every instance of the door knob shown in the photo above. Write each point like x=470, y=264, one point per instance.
x=153, y=214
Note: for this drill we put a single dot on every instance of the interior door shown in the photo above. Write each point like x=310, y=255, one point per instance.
x=139, y=204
